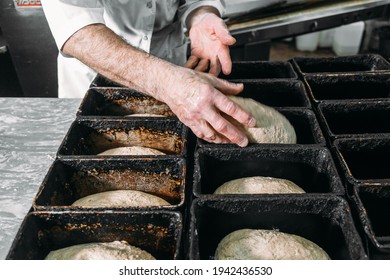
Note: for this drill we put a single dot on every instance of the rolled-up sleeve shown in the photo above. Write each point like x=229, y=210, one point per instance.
x=66, y=17
x=190, y=5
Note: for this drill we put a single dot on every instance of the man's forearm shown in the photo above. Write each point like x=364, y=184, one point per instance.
x=105, y=52
x=194, y=97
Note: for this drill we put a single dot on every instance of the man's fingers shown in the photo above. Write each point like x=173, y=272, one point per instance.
x=204, y=131
x=225, y=60
x=192, y=62
x=203, y=65
x=227, y=87
x=196, y=63
x=228, y=130
x=215, y=66
x=233, y=110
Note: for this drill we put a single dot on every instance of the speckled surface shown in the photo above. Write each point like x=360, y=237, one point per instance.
x=31, y=130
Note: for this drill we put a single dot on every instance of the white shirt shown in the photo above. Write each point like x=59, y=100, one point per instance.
x=155, y=26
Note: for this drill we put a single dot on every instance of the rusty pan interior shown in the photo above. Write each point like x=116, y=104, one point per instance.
x=71, y=179
x=101, y=81
x=159, y=233
x=325, y=220
x=93, y=136
x=120, y=102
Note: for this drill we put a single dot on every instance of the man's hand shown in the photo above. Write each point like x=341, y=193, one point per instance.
x=199, y=101
x=210, y=41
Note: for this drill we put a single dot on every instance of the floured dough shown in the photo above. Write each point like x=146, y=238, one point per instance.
x=120, y=198
x=258, y=185
x=251, y=244
x=271, y=126
x=145, y=115
x=116, y=250
x=131, y=151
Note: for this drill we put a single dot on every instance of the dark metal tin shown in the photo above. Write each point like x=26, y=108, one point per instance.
x=158, y=232
x=70, y=179
x=325, y=220
x=373, y=206
x=340, y=64
x=101, y=81
x=311, y=168
x=304, y=121
x=367, y=87
x=120, y=103
x=254, y=70
x=88, y=137
x=363, y=160
x=355, y=119
x=278, y=93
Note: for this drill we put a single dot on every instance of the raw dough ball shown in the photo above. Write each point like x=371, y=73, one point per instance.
x=271, y=126
x=258, y=185
x=131, y=151
x=120, y=198
x=145, y=115
x=251, y=244
x=116, y=250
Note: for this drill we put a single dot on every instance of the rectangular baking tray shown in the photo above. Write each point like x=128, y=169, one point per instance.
x=363, y=160
x=120, y=103
x=367, y=87
x=68, y=180
x=277, y=93
x=254, y=70
x=157, y=232
x=355, y=119
x=325, y=220
x=310, y=168
x=88, y=137
x=373, y=206
x=306, y=126
x=102, y=81
x=340, y=64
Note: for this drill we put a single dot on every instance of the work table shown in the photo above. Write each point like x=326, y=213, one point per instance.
x=31, y=130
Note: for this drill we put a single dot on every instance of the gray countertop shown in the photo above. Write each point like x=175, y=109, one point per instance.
x=31, y=130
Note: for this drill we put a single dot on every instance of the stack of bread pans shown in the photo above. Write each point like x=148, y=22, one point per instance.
x=105, y=121
x=351, y=96
x=338, y=108
x=322, y=214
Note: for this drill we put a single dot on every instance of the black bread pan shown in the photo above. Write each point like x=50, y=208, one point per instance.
x=157, y=232
x=310, y=168
x=326, y=221
x=277, y=93
x=306, y=126
x=371, y=86
x=355, y=119
x=341, y=64
x=120, y=102
x=89, y=137
x=254, y=70
x=71, y=179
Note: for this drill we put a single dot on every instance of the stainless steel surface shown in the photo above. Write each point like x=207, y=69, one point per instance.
x=308, y=19
x=31, y=130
